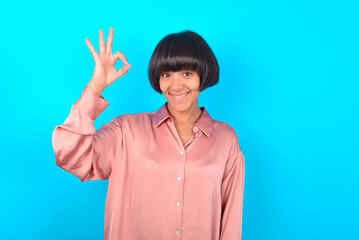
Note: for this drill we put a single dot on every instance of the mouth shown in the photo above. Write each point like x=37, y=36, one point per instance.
x=179, y=96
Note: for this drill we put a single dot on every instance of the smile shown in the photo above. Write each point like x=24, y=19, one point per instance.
x=179, y=97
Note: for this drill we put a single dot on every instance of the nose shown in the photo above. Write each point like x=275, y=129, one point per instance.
x=177, y=83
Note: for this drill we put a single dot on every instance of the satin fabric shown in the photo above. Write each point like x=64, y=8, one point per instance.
x=158, y=188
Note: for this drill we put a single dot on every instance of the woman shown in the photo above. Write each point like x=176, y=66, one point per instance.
x=175, y=173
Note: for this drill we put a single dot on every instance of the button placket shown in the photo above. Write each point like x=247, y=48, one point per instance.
x=179, y=204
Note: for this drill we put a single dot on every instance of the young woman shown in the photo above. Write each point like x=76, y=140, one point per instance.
x=174, y=173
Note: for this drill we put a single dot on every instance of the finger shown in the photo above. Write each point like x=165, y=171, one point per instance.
x=123, y=70
x=109, y=41
x=102, y=43
x=118, y=55
x=92, y=49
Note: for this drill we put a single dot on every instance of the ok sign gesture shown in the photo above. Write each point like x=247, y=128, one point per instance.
x=105, y=72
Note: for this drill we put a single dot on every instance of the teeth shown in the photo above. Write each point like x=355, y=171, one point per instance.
x=180, y=95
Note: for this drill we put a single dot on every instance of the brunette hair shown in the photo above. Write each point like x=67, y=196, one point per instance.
x=184, y=50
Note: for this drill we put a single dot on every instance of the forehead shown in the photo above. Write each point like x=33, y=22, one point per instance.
x=180, y=71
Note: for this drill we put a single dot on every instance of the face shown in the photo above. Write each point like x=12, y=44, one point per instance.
x=181, y=90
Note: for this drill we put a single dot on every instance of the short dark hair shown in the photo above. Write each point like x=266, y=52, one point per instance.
x=184, y=50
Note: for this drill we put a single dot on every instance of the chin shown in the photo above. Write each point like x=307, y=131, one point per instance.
x=179, y=107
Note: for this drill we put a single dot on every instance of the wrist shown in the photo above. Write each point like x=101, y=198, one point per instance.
x=98, y=90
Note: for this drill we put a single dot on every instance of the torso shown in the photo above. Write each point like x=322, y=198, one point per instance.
x=185, y=136
x=185, y=129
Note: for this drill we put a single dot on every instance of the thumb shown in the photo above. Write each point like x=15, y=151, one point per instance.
x=123, y=70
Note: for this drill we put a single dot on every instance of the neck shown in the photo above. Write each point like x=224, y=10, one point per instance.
x=185, y=118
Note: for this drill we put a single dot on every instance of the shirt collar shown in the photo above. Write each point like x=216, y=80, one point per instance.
x=205, y=122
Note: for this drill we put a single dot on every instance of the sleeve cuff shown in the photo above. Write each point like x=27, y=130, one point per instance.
x=90, y=103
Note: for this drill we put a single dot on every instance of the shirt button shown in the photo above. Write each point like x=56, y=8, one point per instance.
x=195, y=129
x=182, y=152
x=177, y=231
x=179, y=178
x=178, y=204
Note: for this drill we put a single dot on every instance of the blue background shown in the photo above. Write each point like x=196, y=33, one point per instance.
x=288, y=85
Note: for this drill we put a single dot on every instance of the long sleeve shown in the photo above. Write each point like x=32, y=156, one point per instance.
x=232, y=195
x=79, y=148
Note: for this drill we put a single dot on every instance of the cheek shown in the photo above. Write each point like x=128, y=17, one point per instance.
x=163, y=86
x=194, y=85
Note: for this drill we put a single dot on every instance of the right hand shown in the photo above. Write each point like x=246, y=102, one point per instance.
x=105, y=72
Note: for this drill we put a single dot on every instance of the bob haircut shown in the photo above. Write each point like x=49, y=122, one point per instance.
x=184, y=50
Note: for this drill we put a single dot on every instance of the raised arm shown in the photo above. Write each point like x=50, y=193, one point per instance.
x=78, y=147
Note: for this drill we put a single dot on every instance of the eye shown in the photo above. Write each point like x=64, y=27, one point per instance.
x=187, y=74
x=165, y=75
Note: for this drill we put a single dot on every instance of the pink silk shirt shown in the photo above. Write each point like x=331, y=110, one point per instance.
x=159, y=188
